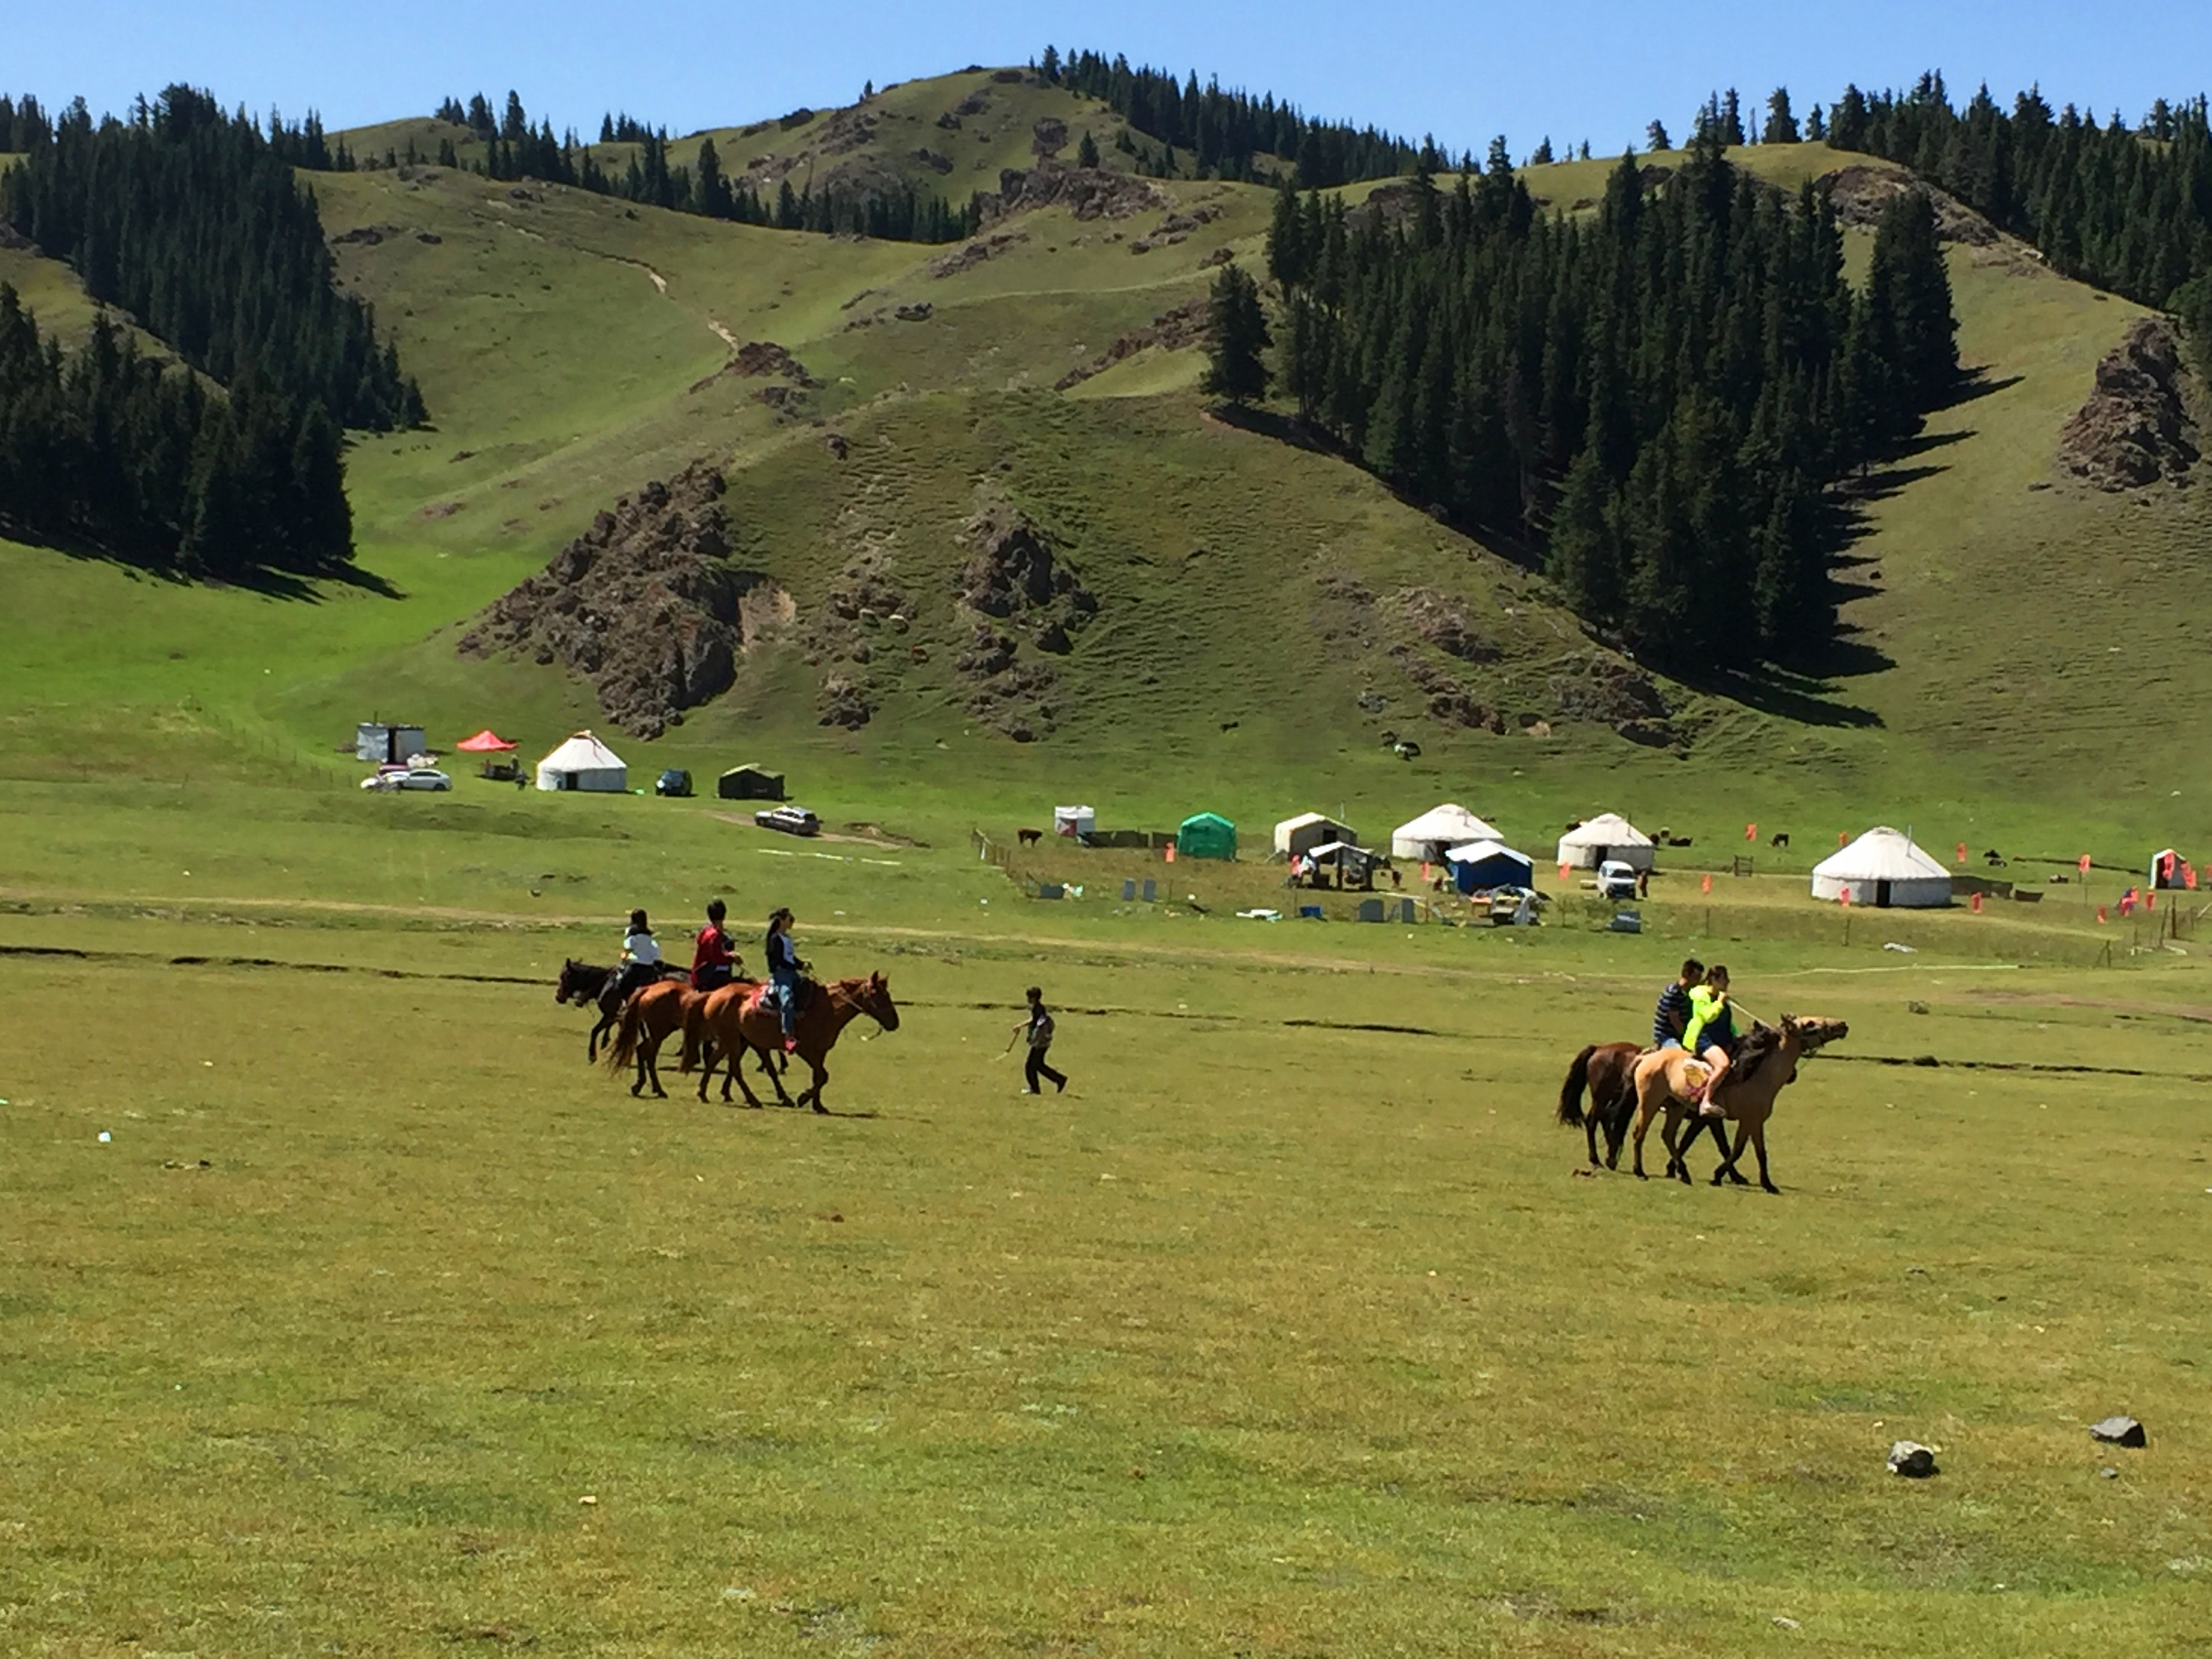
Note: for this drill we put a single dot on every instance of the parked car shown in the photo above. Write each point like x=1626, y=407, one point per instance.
x=408, y=777
x=673, y=782
x=1615, y=880
x=792, y=820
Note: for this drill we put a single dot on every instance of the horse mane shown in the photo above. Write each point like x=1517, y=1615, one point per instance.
x=1764, y=1042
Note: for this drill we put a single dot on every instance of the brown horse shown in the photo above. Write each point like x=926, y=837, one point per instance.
x=648, y=1018
x=1608, y=1069
x=738, y=1018
x=1668, y=1079
x=584, y=984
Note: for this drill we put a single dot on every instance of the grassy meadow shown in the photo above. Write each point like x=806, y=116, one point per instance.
x=1292, y=1328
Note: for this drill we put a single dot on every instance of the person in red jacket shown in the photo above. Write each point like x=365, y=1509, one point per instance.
x=712, y=962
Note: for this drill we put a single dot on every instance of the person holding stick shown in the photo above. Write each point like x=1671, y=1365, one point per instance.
x=1037, y=1024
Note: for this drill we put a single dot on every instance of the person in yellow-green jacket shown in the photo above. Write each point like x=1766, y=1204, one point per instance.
x=1711, y=1034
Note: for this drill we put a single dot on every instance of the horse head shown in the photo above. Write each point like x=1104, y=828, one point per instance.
x=572, y=971
x=1813, y=1032
x=875, y=1000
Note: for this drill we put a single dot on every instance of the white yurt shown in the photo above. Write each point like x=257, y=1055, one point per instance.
x=583, y=763
x=1309, y=830
x=1606, y=836
x=1883, y=869
x=1436, y=831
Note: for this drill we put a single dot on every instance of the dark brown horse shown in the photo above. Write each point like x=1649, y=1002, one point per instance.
x=741, y=1016
x=584, y=985
x=1609, y=1070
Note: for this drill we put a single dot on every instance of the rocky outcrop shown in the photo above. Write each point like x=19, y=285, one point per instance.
x=1610, y=693
x=2135, y=428
x=1185, y=325
x=1860, y=192
x=1085, y=193
x=645, y=605
x=1026, y=599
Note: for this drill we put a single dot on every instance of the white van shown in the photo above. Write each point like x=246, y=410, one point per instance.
x=1615, y=880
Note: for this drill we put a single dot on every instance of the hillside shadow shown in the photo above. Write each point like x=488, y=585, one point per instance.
x=295, y=586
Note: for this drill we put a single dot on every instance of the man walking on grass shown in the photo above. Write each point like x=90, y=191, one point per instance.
x=1038, y=1026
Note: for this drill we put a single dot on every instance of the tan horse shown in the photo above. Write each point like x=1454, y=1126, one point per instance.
x=1668, y=1080
x=740, y=1016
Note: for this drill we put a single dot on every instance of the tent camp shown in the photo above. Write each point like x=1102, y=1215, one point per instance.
x=1205, y=835
x=1431, y=836
x=1606, y=836
x=1482, y=866
x=1073, y=821
x=750, y=782
x=1300, y=834
x=583, y=763
x=1882, y=868
x=486, y=742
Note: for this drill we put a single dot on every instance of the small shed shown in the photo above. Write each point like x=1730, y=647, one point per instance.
x=583, y=763
x=1075, y=822
x=750, y=782
x=2169, y=869
x=1308, y=830
x=383, y=744
x=1354, y=865
x=1205, y=835
x=1607, y=838
x=1431, y=836
x=1883, y=868
x=1482, y=866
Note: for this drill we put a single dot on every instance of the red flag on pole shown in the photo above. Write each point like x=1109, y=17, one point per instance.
x=1706, y=886
x=2150, y=899
x=1566, y=872
x=1975, y=905
x=1843, y=838
x=1843, y=897
x=1962, y=852
x=1751, y=832
x=2083, y=865
x=2189, y=875
x=2100, y=916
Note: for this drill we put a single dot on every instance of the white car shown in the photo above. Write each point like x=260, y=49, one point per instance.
x=420, y=777
x=1615, y=880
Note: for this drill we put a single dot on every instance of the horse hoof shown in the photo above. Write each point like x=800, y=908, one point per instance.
x=1768, y=1187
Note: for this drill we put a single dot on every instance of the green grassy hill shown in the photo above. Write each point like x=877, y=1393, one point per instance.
x=2029, y=655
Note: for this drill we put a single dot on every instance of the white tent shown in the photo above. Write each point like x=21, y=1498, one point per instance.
x=1608, y=836
x=1436, y=831
x=583, y=763
x=1309, y=830
x=1883, y=868
x=1073, y=821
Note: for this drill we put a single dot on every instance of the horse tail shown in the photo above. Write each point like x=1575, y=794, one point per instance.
x=1570, y=1092
x=695, y=1033
x=623, y=1050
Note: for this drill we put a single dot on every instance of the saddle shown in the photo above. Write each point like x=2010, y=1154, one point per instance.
x=762, y=998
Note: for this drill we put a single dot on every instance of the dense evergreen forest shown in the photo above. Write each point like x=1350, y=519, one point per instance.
x=2127, y=209
x=514, y=149
x=1222, y=131
x=1657, y=398
x=190, y=220
x=111, y=449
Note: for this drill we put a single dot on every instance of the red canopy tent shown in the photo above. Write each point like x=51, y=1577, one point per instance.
x=489, y=743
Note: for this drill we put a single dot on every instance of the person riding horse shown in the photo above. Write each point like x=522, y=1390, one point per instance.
x=640, y=958
x=786, y=973
x=714, y=962
x=1711, y=1034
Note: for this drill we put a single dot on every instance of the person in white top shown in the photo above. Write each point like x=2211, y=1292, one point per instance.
x=640, y=956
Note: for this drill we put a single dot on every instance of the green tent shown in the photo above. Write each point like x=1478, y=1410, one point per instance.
x=1205, y=835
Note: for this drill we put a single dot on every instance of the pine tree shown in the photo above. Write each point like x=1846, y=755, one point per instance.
x=1655, y=136
x=1086, y=151
x=1236, y=336
x=1781, y=125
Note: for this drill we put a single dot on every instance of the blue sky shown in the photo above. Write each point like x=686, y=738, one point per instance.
x=1595, y=70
